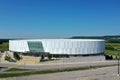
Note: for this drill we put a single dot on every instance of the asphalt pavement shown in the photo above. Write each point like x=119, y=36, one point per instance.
x=106, y=73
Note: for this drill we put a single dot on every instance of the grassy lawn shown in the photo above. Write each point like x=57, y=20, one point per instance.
x=16, y=69
x=6, y=75
x=111, y=49
x=4, y=46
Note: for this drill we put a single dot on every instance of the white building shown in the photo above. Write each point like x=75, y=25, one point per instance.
x=59, y=46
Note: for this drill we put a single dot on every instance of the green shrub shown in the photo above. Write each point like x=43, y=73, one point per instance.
x=17, y=56
x=8, y=58
x=49, y=56
x=110, y=48
x=42, y=57
x=56, y=56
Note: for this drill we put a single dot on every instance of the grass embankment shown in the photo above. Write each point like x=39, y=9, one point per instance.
x=16, y=69
x=4, y=46
x=6, y=75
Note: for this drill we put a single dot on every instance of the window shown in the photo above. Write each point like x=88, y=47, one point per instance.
x=35, y=46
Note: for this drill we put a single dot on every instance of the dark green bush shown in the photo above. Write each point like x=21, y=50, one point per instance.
x=42, y=57
x=8, y=58
x=49, y=56
x=110, y=48
x=56, y=56
x=17, y=56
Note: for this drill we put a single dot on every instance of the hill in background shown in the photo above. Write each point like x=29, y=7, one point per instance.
x=109, y=39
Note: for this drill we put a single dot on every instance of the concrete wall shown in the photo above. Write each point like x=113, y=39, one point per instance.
x=29, y=60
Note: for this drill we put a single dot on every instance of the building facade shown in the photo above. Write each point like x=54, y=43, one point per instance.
x=59, y=46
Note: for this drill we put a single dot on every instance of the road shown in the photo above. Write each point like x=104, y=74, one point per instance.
x=106, y=73
x=44, y=66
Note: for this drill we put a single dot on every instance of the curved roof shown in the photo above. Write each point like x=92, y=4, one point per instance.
x=64, y=39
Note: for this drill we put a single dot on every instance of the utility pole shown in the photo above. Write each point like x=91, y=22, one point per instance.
x=118, y=64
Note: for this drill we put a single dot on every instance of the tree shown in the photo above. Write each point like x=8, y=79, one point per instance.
x=42, y=57
x=49, y=56
x=56, y=56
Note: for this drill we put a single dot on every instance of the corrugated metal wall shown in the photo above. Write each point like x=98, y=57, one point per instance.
x=62, y=46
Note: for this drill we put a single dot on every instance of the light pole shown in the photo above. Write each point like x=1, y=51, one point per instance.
x=118, y=65
x=118, y=58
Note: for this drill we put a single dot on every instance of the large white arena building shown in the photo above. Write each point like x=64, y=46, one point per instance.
x=59, y=46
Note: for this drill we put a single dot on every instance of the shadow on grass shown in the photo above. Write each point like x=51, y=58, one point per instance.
x=16, y=69
x=48, y=60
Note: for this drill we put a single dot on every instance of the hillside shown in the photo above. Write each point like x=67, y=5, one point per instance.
x=109, y=39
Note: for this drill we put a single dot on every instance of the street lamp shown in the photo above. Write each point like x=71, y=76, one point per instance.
x=118, y=64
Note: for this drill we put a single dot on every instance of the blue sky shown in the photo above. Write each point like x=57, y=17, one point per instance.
x=58, y=18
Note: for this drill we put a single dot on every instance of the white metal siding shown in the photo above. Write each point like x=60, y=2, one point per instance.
x=62, y=46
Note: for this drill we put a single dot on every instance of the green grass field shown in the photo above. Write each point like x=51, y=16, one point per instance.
x=4, y=46
x=112, y=49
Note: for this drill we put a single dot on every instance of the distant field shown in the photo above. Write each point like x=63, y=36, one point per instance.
x=4, y=46
x=112, y=49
